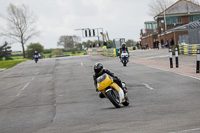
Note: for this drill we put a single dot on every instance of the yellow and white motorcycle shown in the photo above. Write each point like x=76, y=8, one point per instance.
x=112, y=91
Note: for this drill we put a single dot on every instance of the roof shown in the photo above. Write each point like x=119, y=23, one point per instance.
x=147, y=22
x=181, y=7
x=192, y=25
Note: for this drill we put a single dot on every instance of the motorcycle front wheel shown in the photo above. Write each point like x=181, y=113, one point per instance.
x=36, y=60
x=124, y=63
x=113, y=96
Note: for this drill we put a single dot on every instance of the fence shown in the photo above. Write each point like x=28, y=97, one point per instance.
x=189, y=49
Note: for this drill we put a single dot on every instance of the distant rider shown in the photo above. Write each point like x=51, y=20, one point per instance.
x=36, y=55
x=99, y=70
x=123, y=48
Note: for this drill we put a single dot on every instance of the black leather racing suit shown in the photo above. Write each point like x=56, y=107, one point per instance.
x=115, y=78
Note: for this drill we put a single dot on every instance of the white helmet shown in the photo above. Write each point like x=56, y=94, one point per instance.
x=123, y=44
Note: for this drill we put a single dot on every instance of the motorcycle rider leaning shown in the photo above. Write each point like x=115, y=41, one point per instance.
x=99, y=70
x=123, y=48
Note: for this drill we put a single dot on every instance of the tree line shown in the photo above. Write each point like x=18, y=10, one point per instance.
x=21, y=26
x=5, y=51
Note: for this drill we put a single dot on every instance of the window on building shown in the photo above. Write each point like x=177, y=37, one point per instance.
x=174, y=20
x=194, y=18
x=154, y=27
x=171, y=20
x=179, y=20
x=191, y=19
x=149, y=26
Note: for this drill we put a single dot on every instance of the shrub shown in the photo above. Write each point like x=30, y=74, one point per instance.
x=73, y=51
x=34, y=47
x=57, y=52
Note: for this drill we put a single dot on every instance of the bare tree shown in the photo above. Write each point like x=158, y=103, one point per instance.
x=158, y=6
x=20, y=25
x=68, y=42
x=195, y=1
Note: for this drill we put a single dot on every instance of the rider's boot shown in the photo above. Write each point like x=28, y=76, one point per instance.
x=101, y=95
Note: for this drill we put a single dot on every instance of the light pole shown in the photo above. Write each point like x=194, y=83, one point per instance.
x=165, y=20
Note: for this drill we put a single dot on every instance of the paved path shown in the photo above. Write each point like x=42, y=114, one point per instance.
x=2, y=70
x=160, y=59
x=58, y=96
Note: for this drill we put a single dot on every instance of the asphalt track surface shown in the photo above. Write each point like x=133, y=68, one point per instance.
x=58, y=96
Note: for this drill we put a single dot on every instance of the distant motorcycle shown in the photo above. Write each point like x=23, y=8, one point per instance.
x=124, y=58
x=36, y=58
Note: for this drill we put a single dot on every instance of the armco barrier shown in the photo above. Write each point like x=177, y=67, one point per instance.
x=188, y=49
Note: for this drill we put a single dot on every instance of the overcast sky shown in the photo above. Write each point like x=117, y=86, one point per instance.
x=120, y=18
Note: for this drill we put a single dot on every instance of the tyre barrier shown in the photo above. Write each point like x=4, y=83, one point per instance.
x=100, y=51
x=95, y=51
x=106, y=52
x=189, y=49
x=110, y=52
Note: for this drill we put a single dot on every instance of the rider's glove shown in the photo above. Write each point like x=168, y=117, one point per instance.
x=115, y=78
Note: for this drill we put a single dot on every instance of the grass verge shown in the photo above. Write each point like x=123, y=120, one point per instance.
x=10, y=63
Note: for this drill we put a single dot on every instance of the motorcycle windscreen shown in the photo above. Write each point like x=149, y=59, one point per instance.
x=124, y=55
x=103, y=82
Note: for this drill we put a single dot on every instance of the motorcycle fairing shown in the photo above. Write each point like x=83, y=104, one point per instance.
x=103, y=82
x=119, y=90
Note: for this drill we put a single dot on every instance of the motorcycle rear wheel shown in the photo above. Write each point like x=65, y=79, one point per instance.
x=126, y=103
x=124, y=63
x=36, y=60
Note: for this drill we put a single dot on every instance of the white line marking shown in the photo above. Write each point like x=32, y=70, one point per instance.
x=33, y=77
x=19, y=93
x=175, y=72
x=81, y=63
x=161, y=56
x=148, y=86
x=196, y=129
x=25, y=86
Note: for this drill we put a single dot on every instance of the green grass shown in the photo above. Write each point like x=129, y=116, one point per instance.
x=17, y=57
x=48, y=55
x=68, y=53
x=76, y=53
x=10, y=63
